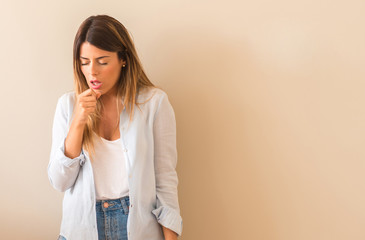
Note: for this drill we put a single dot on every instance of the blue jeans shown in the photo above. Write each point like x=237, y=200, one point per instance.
x=111, y=217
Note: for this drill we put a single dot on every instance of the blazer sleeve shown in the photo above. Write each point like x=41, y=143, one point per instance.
x=62, y=170
x=167, y=210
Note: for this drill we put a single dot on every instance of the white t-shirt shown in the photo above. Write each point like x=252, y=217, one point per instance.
x=109, y=168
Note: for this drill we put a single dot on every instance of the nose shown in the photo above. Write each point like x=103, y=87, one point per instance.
x=93, y=69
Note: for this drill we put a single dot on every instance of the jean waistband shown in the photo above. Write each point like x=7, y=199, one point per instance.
x=125, y=198
x=113, y=204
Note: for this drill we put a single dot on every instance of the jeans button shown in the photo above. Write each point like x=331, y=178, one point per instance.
x=106, y=205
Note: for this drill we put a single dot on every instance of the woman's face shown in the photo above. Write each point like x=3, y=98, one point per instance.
x=101, y=68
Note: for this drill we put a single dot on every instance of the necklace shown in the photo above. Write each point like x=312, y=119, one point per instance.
x=106, y=125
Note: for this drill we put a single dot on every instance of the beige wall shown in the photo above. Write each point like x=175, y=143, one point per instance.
x=269, y=100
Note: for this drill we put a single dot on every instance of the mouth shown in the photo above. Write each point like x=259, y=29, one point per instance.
x=95, y=84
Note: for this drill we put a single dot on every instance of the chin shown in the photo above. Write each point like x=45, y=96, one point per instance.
x=96, y=90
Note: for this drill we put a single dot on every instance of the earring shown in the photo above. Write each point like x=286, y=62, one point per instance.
x=123, y=65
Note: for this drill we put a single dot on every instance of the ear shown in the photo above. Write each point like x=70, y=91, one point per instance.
x=122, y=62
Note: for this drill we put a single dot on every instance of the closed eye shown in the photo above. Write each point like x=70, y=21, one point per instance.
x=83, y=64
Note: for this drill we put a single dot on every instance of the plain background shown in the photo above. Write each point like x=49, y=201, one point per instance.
x=268, y=97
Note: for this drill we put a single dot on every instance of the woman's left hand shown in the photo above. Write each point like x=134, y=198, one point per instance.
x=169, y=234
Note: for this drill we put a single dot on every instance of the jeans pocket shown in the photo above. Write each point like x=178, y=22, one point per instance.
x=60, y=237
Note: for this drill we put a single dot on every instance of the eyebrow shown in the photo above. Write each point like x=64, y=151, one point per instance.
x=96, y=58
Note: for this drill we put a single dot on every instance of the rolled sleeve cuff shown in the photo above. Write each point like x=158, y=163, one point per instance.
x=169, y=218
x=66, y=161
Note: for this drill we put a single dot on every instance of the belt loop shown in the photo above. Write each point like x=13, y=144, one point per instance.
x=125, y=206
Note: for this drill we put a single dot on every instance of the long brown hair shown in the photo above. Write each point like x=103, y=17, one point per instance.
x=109, y=34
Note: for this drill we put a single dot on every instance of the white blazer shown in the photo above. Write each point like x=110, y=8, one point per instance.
x=149, y=147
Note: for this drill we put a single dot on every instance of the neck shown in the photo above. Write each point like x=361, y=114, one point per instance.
x=110, y=103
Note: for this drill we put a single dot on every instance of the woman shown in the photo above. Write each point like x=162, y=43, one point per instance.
x=115, y=163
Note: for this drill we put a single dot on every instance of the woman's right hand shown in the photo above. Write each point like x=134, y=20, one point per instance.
x=85, y=105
